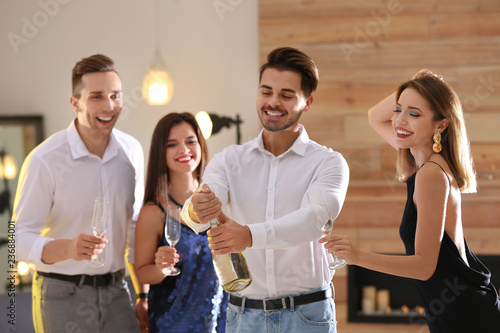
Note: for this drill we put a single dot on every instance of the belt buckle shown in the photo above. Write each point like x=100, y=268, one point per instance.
x=264, y=305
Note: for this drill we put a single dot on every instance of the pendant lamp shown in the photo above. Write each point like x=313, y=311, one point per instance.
x=157, y=86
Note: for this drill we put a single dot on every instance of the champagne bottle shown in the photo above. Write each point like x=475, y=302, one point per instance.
x=232, y=268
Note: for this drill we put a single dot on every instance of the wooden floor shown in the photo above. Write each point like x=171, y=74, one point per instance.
x=346, y=327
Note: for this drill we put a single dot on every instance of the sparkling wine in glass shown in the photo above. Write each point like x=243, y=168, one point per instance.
x=172, y=234
x=99, y=225
x=324, y=221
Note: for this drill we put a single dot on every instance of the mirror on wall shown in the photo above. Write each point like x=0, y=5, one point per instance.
x=18, y=136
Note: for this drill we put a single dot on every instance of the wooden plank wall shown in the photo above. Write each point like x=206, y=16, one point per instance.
x=364, y=50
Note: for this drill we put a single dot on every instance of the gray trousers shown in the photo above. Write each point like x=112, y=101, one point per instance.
x=63, y=307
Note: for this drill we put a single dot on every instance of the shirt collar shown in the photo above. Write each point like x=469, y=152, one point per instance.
x=299, y=146
x=79, y=150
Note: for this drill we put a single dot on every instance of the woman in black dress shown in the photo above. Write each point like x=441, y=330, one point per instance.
x=423, y=120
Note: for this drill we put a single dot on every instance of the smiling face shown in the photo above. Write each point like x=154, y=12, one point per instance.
x=414, y=122
x=280, y=100
x=183, y=149
x=98, y=106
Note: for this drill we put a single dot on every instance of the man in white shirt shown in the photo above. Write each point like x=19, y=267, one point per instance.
x=59, y=181
x=266, y=182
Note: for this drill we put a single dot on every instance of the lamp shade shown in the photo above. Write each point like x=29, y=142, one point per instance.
x=210, y=123
x=8, y=167
x=157, y=87
x=205, y=124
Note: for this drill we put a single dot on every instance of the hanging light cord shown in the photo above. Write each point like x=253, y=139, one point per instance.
x=157, y=24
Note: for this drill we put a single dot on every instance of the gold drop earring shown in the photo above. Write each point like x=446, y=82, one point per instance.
x=436, y=147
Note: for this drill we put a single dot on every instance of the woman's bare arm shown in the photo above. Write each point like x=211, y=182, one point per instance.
x=380, y=119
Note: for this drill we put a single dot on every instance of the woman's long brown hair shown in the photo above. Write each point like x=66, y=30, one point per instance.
x=158, y=174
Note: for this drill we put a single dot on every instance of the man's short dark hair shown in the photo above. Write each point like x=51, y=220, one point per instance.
x=92, y=64
x=290, y=59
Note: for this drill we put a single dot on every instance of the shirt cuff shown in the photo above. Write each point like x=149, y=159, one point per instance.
x=35, y=256
x=196, y=227
x=259, y=236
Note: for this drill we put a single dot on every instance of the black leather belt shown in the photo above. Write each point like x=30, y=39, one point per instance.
x=281, y=303
x=88, y=280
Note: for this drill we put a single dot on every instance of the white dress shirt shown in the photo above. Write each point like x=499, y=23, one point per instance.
x=269, y=194
x=58, y=183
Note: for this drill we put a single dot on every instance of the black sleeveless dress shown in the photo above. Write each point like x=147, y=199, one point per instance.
x=194, y=300
x=457, y=298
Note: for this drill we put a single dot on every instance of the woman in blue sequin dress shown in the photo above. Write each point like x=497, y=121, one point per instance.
x=192, y=301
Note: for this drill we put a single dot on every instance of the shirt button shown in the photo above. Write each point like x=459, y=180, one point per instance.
x=269, y=214
x=275, y=163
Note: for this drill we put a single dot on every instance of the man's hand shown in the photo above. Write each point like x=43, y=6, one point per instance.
x=83, y=247
x=87, y=247
x=230, y=237
x=206, y=205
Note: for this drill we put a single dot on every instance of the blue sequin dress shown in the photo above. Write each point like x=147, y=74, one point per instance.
x=194, y=300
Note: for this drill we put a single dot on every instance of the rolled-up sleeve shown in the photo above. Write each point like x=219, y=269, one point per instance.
x=299, y=227
x=34, y=199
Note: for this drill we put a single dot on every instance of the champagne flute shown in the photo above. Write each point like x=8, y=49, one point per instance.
x=172, y=234
x=99, y=225
x=324, y=221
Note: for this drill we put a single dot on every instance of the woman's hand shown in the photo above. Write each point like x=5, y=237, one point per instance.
x=341, y=246
x=166, y=257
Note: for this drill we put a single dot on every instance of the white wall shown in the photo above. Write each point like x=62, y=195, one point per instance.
x=209, y=46
x=213, y=59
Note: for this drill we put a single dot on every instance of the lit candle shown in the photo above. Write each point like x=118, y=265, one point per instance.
x=383, y=300
x=368, y=301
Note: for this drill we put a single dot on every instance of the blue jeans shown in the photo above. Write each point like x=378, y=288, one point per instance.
x=312, y=317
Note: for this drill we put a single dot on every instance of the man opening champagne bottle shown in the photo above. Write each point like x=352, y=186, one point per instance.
x=266, y=182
